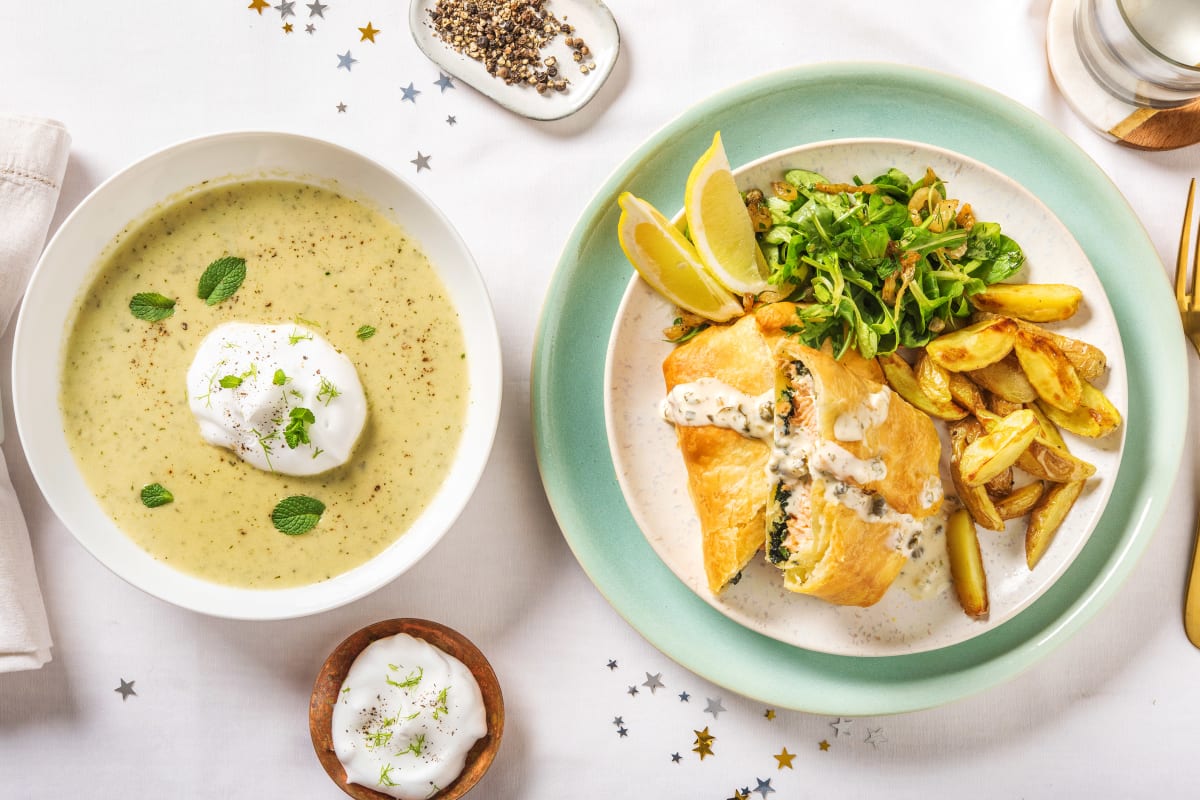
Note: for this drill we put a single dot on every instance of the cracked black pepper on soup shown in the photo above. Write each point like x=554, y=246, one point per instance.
x=310, y=254
x=508, y=37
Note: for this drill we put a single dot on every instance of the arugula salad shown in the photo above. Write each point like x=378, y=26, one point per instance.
x=878, y=265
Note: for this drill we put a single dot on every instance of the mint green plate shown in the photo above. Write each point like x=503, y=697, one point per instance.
x=771, y=113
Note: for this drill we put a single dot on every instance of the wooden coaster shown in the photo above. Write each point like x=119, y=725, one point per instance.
x=1153, y=129
x=1123, y=123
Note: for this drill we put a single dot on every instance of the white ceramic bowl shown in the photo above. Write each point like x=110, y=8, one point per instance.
x=68, y=263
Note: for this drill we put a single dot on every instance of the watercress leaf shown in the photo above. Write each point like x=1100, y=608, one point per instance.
x=151, y=306
x=297, y=514
x=1007, y=261
x=221, y=279
x=230, y=382
x=155, y=495
x=803, y=178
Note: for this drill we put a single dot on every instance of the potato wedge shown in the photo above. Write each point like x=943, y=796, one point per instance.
x=1001, y=485
x=1046, y=517
x=1096, y=416
x=1048, y=462
x=975, y=346
x=965, y=392
x=966, y=564
x=1020, y=501
x=1049, y=430
x=1089, y=361
x=999, y=449
x=974, y=498
x=900, y=377
x=933, y=380
x=1035, y=302
x=1006, y=379
x=1001, y=407
x=1048, y=370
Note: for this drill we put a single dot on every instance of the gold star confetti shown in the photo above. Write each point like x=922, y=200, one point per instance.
x=368, y=33
x=769, y=713
x=287, y=27
x=703, y=743
x=785, y=759
x=823, y=744
x=258, y=5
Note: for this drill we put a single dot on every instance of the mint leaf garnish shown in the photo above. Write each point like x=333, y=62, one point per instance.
x=221, y=279
x=280, y=378
x=365, y=332
x=230, y=382
x=296, y=432
x=297, y=514
x=155, y=495
x=151, y=306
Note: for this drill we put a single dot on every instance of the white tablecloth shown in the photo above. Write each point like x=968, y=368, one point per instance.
x=220, y=707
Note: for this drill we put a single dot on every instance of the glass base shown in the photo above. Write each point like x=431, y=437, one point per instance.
x=1088, y=99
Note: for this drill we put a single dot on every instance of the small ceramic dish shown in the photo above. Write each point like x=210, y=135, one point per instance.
x=591, y=20
x=333, y=672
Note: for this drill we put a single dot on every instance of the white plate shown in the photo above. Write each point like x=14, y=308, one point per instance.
x=592, y=21
x=654, y=482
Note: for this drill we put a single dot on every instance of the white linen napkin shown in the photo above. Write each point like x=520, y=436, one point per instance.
x=33, y=158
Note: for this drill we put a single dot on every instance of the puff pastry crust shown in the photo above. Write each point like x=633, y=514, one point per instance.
x=726, y=471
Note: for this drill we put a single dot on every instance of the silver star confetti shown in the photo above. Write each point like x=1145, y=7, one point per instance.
x=346, y=61
x=632, y=691
x=842, y=726
x=410, y=94
x=341, y=107
x=612, y=664
x=285, y=8
x=676, y=758
x=684, y=697
x=316, y=9
x=452, y=120
x=714, y=707
x=444, y=81
x=875, y=737
x=422, y=161
x=618, y=721
x=310, y=28
x=653, y=682
x=622, y=732
x=125, y=689
x=764, y=787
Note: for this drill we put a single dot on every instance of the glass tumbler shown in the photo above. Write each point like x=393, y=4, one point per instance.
x=1143, y=52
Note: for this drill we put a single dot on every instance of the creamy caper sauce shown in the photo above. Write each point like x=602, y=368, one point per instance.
x=311, y=255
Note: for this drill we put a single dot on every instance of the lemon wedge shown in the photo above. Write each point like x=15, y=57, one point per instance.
x=719, y=225
x=668, y=262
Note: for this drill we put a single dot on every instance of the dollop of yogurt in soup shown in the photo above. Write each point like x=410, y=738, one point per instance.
x=279, y=396
x=406, y=718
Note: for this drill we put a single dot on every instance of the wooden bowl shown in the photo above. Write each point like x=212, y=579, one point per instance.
x=333, y=672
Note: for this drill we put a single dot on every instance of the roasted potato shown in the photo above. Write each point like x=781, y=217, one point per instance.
x=1048, y=370
x=1095, y=416
x=1020, y=501
x=974, y=498
x=965, y=392
x=1049, y=462
x=900, y=377
x=1045, y=518
x=1006, y=379
x=1089, y=361
x=999, y=448
x=1001, y=485
x=966, y=564
x=1001, y=407
x=1035, y=302
x=933, y=380
x=975, y=346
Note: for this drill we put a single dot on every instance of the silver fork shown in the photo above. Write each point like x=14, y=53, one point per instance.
x=1189, y=314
